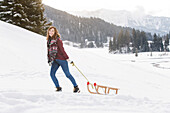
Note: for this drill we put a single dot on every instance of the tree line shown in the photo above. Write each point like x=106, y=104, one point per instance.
x=138, y=41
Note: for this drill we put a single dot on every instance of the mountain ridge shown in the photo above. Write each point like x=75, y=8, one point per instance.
x=138, y=19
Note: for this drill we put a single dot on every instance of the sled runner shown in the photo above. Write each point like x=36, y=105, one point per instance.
x=95, y=86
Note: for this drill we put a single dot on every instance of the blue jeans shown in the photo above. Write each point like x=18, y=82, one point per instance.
x=64, y=65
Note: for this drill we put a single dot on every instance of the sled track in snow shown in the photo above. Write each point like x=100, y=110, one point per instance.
x=158, y=65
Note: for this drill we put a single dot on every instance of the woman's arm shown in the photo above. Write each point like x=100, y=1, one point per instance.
x=60, y=45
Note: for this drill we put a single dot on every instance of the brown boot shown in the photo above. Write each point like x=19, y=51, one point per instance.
x=59, y=89
x=76, y=89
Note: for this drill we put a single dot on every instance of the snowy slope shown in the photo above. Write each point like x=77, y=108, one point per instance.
x=26, y=86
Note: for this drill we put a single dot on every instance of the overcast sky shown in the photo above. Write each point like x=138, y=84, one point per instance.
x=152, y=7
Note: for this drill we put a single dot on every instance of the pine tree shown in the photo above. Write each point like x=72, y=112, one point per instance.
x=42, y=24
x=127, y=40
x=134, y=40
x=161, y=44
x=25, y=13
x=37, y=22
x=155, y=42
x=120, y=40
x=138, y=39
x=6, y=10
x=110, y=46
x=144, y=43
x=166, y=43
x=114, y=44
x=19, y=15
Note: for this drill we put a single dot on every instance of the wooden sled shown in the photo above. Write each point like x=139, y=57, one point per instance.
x=106, y=89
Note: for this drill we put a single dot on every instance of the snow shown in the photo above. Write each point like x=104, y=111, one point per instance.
x=26, y=86
x=7, y=12
x=3, y=6
x=17, y=14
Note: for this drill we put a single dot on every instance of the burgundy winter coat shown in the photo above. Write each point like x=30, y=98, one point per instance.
x=61, y=54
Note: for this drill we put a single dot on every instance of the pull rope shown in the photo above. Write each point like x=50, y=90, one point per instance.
x=80, y=72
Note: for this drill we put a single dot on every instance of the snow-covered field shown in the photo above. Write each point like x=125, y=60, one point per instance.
x=26, y=86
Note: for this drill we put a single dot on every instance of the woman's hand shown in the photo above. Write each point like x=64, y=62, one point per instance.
x=68, y=60
x=50, y=63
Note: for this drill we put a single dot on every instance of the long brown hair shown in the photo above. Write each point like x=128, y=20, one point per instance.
x=56, y=34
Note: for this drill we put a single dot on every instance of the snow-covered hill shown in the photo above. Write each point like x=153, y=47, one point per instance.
x=138, y=20
x=26, y=86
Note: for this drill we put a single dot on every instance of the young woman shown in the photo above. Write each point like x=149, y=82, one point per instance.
x=58, y=57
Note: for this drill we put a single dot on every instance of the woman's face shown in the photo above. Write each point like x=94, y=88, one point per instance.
x=51, y=32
